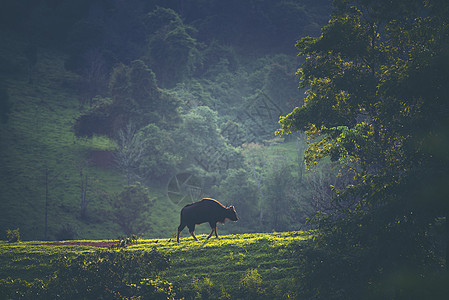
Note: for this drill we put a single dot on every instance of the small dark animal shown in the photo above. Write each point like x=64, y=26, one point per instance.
x=206, y=210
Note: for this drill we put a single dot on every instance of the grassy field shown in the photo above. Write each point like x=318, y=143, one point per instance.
x=215, y=267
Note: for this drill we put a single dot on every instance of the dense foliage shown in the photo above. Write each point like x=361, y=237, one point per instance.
x=377, y=104
x=102, y=274
x=129, y=207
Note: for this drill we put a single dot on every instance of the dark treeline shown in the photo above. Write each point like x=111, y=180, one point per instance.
x=120, y=29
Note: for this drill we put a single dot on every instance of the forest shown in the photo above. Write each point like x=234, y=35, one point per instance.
x=117, y=114
x=325, y=123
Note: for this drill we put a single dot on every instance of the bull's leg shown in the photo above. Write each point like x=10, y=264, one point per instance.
x=191, y=230
x=212, y=231
x=213, y=226
x=193, y=235
x=180, y=228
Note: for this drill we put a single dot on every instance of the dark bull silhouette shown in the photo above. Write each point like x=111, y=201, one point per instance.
x=206, y=210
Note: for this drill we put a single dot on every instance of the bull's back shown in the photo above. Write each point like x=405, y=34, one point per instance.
x=206, y=210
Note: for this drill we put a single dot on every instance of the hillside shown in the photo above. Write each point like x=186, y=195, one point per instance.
x=214, y=269
x=39, y=137
x=73, y=79
x=42, y=159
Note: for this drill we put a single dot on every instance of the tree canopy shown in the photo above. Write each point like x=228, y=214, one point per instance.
x=376, y=103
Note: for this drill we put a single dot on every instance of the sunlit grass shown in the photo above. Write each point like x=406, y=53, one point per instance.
x=223, y=260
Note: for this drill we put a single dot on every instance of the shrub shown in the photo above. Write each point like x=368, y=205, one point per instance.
x=157, y=289
x=13, y=236
x=251, y=284
x=129, y=207
x=202, y=289
x=20, y=289
x=103, y=274
x=98, y=275
x=66, y=232
x=125, y=241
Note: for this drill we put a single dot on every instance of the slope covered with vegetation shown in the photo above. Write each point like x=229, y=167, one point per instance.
x=233, y=266
x=103, y=100
x=41, y=157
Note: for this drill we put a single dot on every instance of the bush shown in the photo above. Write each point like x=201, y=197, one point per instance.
x=129, y=207
x=125, y=241
x=99, y=275
x=251, y=285
x=13, y=236
x=154, y=289
x=202, y=289
x=66, y=232
x=20, y=289
x=105, y=273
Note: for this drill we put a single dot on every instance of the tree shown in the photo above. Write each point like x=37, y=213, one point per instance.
x=84, y=187
x=131, y=149
x=134, y=98
x=93, y=81
x=375, y=102
x=84, y=36
x=5, y=105
x=256, y=159
x=278, y=206
x=47, y=181
x=145, y=153
x=202, y=144
x=160, y=157
x=240, y=189
x=283, y=198
x=172, y=51
x=130, y=206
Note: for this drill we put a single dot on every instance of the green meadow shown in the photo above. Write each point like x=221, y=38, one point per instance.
x=228, y=267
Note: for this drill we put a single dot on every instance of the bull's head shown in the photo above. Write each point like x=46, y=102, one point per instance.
x=231, y=213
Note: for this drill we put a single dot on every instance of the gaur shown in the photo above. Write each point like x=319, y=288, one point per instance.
x=206, y=210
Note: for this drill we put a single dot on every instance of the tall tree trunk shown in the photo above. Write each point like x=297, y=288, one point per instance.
x=46, y=203
x=447, y=241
